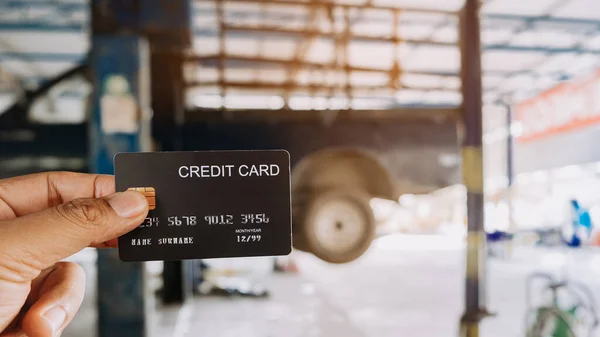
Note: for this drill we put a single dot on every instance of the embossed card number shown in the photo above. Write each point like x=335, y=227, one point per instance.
x=208, y=204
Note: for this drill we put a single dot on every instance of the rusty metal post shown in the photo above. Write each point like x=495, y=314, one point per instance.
x=346, y=56
x=470, y=44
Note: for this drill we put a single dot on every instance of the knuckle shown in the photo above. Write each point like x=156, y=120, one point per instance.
x=87, y=213
x=18, y=269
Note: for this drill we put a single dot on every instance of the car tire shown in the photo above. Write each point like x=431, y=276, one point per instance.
x=338, y=225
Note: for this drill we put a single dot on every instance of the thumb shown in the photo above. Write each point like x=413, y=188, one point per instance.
x=41, y=239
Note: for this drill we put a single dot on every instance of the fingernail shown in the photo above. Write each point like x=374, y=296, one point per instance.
x=128, y=204
x=57, y=318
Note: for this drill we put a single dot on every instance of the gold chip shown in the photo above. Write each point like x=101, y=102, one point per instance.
x=149, y=193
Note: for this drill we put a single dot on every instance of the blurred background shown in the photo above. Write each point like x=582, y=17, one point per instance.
x=397, y=114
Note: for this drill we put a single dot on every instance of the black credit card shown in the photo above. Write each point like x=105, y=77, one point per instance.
x=211, y=204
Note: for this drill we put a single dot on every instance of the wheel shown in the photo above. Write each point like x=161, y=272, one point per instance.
x=338, y=226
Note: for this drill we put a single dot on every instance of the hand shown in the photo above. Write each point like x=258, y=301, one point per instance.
x=45, y=218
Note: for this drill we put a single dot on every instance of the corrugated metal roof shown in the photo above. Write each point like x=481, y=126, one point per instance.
x=528, y=46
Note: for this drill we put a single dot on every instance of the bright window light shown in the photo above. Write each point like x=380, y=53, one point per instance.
x=275, y=102
x=253, y=102
x=408, y=200
x=524, y=178
x=516, y=129
x=208, y=101
x=301, y=103
x=568, y=172
x=540, y=176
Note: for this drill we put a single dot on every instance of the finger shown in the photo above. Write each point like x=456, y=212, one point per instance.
x=33, y=289
x=14, y=333
x=36, y=192
x=60, y=296
x=36, y=241
x=12, y=297
x=113, y=243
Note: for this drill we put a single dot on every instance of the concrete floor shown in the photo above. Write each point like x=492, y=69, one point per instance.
x=404, y=286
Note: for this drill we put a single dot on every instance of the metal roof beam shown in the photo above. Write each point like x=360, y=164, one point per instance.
x=253, y=31
x=75, y=57
x=79, y=27
x=331, y=35
x=281, y=86
x=536, y=49
x=543, y=19
x=6, y=5
x=212, y=61
x=238, y=60
x=394, y=111
x=295, y=3
x=44, y=27
x=385, y=39
x=63, y=94
x=42, y=57
x=35, y=4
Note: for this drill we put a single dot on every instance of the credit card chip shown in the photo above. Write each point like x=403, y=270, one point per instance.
x=149, y=193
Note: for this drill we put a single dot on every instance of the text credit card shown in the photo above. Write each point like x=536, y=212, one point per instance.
x=208, y=204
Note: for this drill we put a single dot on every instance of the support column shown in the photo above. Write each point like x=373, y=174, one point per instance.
x=119, y=123
x=510, y=177
x=475, y=301
x=120, y=30
x=510, y=165
x=169, y=26
x=168, y=105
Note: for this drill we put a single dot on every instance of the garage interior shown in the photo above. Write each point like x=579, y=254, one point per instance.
x=443, y=154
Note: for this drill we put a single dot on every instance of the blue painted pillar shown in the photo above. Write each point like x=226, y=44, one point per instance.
x=119, y=122
x=122, y=32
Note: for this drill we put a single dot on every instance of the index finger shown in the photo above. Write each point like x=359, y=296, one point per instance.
x=32, y=193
